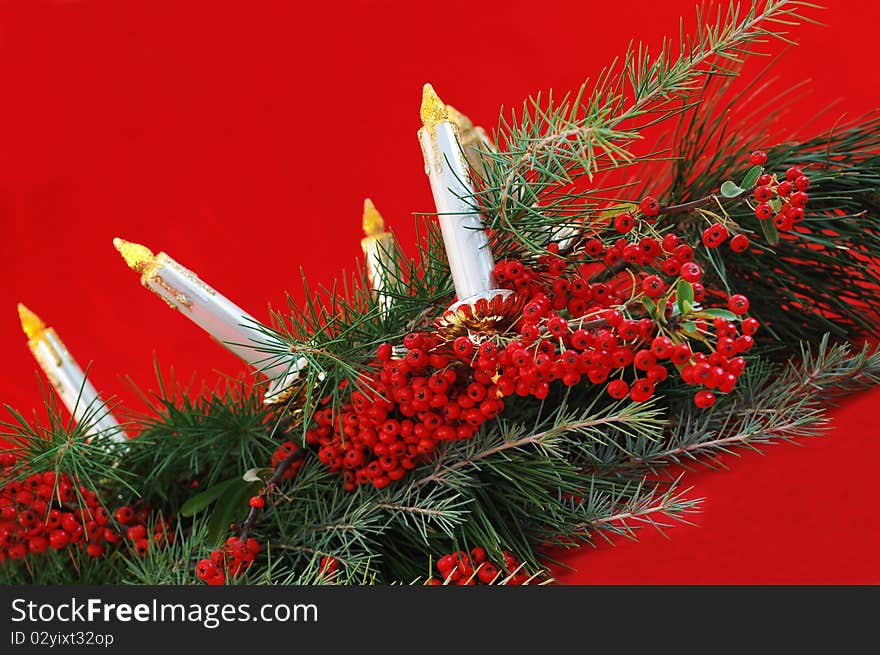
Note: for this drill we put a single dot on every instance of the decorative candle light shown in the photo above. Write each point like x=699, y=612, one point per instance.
x=67, y=378
x=379, y=254
x=225, y=321
x=465, y=238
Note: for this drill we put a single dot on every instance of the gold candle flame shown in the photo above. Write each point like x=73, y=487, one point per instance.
x=433, y=110
x=138, y=257
x=373, y=222
x=32, y=324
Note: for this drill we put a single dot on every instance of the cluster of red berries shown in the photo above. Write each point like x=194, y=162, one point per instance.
x=231, y=559
x=784, y=201
x=47, y=511
x=595, y=341
x=462, y=569
x=397, y=419
x=563, y=324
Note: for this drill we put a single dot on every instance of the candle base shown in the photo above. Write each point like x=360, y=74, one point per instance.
x=485, y=295
x=493, y=312
x=282, y=389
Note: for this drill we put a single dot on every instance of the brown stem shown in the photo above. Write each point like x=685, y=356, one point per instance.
x=694, y=204
x=280, y=469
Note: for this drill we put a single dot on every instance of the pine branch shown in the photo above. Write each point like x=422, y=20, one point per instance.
x=777, y=402
x=527, y=190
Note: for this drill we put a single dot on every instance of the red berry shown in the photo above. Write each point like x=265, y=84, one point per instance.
x=793, y=173
x=618, y=389
x=691, y=272
x=623, y=223
x=124, y=515
x=384, y=352
x=799, y=199
x=58, y=539
x=758, y=158
x=704, y=399
x=257, y=502
x=750, y=326
x=763, y=193
x=738, y=304
x=802, y=183
x=763, y=211
x=783, y=222
x=739, y=243
x=642, y=390
x=652, y=286
x=463, y=347
x=649, y=206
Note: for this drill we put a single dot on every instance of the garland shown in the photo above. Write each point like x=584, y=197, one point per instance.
x=719, y=308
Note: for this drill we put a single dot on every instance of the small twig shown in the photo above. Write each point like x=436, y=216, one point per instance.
x=280, y=469
x=694, y=204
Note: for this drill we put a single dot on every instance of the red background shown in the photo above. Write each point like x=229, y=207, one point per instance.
x=242, y=138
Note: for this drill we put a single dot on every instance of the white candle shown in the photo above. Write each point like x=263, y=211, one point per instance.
x=67, y=378
x=221, y=318
x=379, y=254
x=464, y=235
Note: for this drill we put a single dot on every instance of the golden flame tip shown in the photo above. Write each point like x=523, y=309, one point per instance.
x=135, y=255
x=373, y=221
x=32, y=324
x=433, y=110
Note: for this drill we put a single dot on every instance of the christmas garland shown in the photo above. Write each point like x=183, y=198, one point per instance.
x=604, y=333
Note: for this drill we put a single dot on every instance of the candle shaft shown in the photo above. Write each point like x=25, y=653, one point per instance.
x=77, y=394
x=225, y=321
x=467, y=244
x=379, y=254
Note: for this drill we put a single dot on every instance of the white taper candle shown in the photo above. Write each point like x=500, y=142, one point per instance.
x=379, y=253
x=221, y=318
x=77, y=394
x=464, y=235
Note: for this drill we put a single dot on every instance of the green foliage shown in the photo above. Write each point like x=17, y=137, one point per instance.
x=66, y=447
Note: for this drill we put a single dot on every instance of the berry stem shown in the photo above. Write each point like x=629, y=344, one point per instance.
x=282, y=466
x=693, y=204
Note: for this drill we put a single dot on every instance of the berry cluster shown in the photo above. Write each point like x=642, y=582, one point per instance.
x=409, y=406
x=784, y=201
x=582, y=330
x=462, y=569
x=232, y=558
x=619, y=312
x=47, y=511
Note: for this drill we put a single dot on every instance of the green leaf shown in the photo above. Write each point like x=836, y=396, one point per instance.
x=714, y=312
x=200, y=501
x=768, y=227
x=232, y=506
x=684, y=296
x=730, y=189
x=752, y=177
x=650, y=306
x=690, y=327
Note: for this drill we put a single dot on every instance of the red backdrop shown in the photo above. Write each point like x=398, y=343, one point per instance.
x=242, y=137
